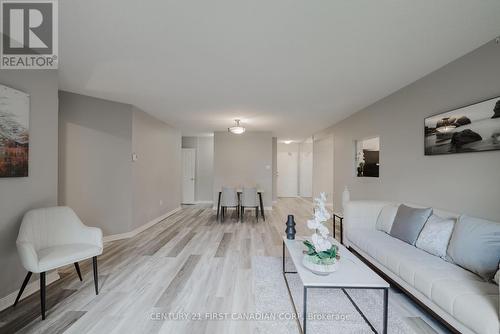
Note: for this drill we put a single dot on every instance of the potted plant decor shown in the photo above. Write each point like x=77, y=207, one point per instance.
x=321, y=255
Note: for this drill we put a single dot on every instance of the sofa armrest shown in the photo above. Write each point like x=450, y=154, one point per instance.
x=361, y=214
x=28, y=256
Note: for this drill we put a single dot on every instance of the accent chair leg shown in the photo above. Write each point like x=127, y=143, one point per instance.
x=257, y=213
x=42, y=294
x=25, y=282
x=96, y=280
x=77, y=267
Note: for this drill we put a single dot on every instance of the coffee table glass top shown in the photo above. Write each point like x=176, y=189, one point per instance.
x=351, y=271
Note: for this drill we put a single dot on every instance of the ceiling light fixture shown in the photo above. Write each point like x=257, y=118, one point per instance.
x=237, y=130
x=288, y=142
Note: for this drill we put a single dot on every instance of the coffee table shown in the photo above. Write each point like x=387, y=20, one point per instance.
x=351, y=274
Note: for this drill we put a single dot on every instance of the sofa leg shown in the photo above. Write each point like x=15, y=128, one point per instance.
x=42, y=294
x=77, y=267
x=25, y=282
x=96, y=283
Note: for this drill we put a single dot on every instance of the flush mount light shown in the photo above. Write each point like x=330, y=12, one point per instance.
x=237, y=130
x=288, y=142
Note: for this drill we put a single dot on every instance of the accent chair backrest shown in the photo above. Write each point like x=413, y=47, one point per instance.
x=229, y=197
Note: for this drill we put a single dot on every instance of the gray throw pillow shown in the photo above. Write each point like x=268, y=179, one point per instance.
x=475, y=246
x=409, y=222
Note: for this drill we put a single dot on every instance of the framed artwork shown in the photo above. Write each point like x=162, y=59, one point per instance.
x=14, y=132
x=473, y=128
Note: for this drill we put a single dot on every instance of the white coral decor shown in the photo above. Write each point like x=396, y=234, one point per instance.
x=321, y=233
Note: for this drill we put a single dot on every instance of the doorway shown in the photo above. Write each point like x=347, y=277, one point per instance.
x=188, y=175
x=288, y=170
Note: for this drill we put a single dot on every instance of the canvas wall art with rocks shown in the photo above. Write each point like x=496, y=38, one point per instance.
x=473, y=128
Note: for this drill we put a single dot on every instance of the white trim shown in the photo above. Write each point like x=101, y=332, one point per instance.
x=138, y=230
x=30, y=289
x=204, y=202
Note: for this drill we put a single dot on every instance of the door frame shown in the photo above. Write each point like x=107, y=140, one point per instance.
x=193, y=150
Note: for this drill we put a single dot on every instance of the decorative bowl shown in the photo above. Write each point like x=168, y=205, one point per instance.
x=322, y=269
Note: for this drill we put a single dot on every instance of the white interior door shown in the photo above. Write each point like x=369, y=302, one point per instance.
x=288, y=163
x=188, y=175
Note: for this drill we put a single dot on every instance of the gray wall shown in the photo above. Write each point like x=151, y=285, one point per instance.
x=243, y=160
x=205, y=169
x=275, y=169
x=156, y=175
x=204, y=174
x=323, y=166
x=39, y=189
x=95, y=170
x=466, y=183
x=306, y=161
x=97, y=177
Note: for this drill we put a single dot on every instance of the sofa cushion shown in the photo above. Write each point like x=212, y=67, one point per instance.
x=58, y=256
x=435, y=236
x=386, y=218
x=449, y=286
x=409, y=222
x=475, y=246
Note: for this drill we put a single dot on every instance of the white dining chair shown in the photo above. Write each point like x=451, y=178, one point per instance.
x=50, y=238
x=249, y=200
x=229, y=200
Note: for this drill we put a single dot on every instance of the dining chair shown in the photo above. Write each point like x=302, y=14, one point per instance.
x=229, y=200
x=249, y=200
x=50, y=238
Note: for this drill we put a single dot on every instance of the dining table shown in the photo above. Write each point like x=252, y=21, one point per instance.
x=239, y=191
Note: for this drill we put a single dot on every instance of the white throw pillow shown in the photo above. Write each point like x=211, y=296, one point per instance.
x=435, y=236
x=497, y=277
x=386, y=218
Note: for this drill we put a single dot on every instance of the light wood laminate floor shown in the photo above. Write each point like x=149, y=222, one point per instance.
x=189, y=262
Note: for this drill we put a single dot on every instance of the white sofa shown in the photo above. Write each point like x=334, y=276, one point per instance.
x=459, y=297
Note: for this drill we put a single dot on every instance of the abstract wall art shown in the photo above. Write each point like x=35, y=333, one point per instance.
x=14, y=132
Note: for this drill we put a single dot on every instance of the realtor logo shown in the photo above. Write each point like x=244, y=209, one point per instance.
x=29, y=34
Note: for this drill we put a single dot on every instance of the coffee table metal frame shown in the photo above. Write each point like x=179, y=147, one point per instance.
x=303, y=328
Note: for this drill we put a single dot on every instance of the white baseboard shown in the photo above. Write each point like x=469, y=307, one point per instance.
x=30, y=289
x=138, y=230
x=204, y=202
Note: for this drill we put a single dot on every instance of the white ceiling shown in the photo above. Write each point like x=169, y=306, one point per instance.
x=293, y=67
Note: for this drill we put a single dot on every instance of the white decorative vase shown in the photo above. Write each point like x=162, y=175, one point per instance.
x=319, y=269
x=346, y=196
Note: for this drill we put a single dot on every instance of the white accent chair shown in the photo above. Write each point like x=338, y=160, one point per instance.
x=229, y=200
x=50, y=238
x=249, y=200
